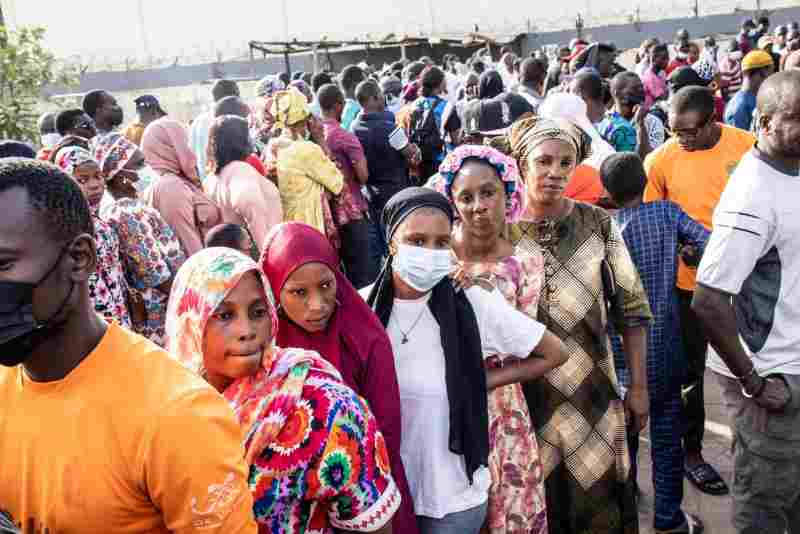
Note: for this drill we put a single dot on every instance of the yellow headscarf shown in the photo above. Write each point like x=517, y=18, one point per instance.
x=289, y=107
x=529, y=133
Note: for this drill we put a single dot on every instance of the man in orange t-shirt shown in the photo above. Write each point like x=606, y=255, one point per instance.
x=100, y=430
x=692, y=170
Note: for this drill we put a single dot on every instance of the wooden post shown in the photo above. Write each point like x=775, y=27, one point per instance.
x=287, y=62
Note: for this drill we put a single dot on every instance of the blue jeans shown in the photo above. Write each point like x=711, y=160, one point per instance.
x=466, y=522
x=378, y=248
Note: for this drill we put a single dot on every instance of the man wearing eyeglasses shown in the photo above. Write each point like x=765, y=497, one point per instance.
x=75, y=122
x=692, y=170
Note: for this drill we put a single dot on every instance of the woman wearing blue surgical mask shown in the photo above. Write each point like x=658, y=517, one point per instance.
x=151, y=253
x=441, y=338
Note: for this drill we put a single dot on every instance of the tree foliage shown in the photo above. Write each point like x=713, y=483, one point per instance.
x=25, y=66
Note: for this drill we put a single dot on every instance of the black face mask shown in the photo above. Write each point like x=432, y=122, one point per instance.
x=633, y=100
x=20, y=332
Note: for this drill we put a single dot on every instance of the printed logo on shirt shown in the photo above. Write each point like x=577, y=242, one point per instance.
x=219, y=503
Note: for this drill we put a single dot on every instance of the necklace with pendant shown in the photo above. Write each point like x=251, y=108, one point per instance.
x=404, y=340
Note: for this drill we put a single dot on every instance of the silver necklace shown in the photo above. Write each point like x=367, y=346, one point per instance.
x=406, y=334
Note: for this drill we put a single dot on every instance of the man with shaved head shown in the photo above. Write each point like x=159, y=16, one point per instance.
x=532, y=73
x=748, y=301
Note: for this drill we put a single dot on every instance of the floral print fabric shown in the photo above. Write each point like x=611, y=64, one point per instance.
x=317, y=459
x=107, y=286
x=516, y=497
x=505, y=166
x=151, y=255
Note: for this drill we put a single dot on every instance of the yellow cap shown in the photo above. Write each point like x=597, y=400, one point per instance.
x=757, y=59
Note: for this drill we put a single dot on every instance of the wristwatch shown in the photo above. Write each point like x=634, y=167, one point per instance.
x=744, y=380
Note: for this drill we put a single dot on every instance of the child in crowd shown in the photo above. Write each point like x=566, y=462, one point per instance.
x=230, y=236
x=653, y=233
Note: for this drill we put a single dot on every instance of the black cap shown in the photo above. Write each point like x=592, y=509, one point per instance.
x=684, y=77
x=781, y=30
x=492, y=116
x=147, y=102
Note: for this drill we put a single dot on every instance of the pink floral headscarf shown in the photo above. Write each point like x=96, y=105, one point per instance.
x=113, y=151
x=264, y=401
x=70, y=158
x=165, y=144
x=505, y=166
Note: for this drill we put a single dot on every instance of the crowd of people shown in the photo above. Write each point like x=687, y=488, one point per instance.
x=429, y=298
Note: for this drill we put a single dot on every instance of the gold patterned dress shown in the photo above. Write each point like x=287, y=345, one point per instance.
x=516, y=496
x=576, y=409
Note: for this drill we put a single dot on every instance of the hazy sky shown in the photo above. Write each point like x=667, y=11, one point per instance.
x=110, y=28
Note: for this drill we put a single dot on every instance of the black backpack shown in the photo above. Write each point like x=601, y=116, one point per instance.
x=425, y=133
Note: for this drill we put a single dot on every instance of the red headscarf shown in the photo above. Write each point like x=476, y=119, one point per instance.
x=353, y=329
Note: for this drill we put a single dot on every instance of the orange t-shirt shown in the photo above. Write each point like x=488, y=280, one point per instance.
x=695, y=180
x=129, y=441
x=585, y=185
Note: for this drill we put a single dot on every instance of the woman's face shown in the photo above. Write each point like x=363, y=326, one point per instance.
x=88, y=177
x=309, y=296
x=480, y=199
x=237, y=333
x=426, y=228
x=548, y=169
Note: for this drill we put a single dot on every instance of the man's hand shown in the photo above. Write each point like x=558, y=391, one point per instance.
x=639, y=114
x=775, y=395
x=637, y=408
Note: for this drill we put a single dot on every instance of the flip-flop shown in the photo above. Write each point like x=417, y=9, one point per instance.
x=706, y=479
x=691, y=525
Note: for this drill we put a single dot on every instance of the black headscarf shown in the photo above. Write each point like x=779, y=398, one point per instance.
x=490, y=84
x=461, y=342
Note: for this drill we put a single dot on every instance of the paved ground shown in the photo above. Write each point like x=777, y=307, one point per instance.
x=714, y=511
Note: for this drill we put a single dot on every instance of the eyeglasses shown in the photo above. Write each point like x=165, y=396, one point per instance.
x=693, y=132
x=84, y=123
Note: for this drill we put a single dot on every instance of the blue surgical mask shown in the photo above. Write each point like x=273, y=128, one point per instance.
x=422, y=268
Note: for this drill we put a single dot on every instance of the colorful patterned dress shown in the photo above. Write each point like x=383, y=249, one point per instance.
x=151, y=255
x=107, y=286
x=318, y=461
x=516, y=497
x=577, y=409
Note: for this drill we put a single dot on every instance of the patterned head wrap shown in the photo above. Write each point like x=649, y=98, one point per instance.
x=289, y=107
x=505, y=166
x=529, y=133
x=113, y=152
x=264, y=401
x=269, y=85
x=706, y=69
x=70, y=158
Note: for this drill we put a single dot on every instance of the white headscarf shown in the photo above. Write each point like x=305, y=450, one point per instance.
x=573, y=108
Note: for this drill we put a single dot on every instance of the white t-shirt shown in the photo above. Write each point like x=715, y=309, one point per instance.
x=753, y=254
x=436, y=476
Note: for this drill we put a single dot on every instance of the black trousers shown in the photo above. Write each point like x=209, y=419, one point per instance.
x=695, y=345
x=355, y=256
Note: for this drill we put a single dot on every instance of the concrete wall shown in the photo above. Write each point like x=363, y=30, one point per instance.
x=183, y=75
x=631, y=36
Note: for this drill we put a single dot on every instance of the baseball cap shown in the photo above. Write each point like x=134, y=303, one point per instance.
x=684, y=77
x=493, y=116
x=757, y=59
x=781, y=30
x=147, y=102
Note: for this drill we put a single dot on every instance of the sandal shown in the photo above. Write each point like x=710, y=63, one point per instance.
x=706, y=479
x=691, y=525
